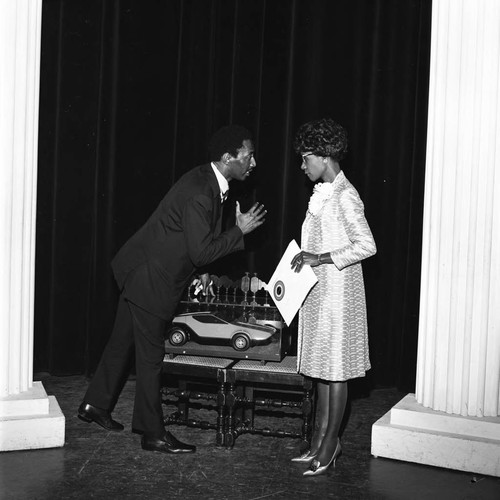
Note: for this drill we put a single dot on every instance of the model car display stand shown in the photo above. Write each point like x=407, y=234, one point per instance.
x=230, y=324
x=237, y=382
x=204, y=346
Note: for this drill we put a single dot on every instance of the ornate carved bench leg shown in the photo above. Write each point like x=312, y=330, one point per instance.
x=230, y=426
x=221, y=405
x=239, y=411
x=183, y=401
x=249, y=398
x=307, y=410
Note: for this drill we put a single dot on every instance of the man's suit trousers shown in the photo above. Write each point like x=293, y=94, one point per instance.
x=136, y=328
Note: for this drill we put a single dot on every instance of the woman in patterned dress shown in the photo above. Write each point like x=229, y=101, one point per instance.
x=332, y=338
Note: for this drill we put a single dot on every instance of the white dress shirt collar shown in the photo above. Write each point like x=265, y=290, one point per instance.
x=221, y=180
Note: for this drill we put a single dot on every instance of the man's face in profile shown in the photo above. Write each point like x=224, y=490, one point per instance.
x=241, y=166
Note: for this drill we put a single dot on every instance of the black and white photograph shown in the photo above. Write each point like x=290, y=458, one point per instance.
x=250, y=249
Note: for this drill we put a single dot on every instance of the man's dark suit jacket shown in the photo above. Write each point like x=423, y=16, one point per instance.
x=154, y=266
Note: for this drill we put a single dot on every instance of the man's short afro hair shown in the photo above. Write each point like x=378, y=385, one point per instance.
x=228, y=139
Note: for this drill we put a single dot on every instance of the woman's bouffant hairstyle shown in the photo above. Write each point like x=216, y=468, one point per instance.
x=228, y=139
x=323, y=137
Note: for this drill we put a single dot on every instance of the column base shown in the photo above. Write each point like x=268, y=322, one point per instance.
x=31, y=420
x=413, y=433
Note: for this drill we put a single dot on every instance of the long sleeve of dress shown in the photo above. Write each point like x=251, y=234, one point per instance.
x=361, y=243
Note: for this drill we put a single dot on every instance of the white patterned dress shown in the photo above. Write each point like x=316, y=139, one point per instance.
x=333, y=333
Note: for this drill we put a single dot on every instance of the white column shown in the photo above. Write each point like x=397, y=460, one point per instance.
x=28, y=417
x=453, y=420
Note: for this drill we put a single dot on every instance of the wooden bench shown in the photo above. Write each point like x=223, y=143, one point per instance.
x=239, y=383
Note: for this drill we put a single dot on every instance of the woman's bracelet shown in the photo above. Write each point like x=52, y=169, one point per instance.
x=320, y=256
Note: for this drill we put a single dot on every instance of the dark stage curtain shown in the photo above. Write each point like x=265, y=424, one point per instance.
x=131, y=90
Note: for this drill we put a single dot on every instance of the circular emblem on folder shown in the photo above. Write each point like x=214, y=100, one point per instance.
x=279, y=290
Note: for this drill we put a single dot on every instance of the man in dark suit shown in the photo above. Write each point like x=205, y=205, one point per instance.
x=153, y=269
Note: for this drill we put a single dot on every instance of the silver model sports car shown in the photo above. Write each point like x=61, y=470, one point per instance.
x=208, y=328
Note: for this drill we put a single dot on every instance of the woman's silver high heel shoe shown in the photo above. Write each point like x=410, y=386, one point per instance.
x=316, y=469
x=305, y=458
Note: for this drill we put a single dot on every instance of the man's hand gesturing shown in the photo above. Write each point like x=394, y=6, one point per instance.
x=250, y=220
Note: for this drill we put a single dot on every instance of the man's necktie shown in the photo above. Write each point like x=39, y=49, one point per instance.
x=223, y=196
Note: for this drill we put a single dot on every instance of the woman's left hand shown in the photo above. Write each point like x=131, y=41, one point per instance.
x=304, y=258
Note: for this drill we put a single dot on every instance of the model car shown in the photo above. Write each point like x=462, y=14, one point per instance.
x=208, y=328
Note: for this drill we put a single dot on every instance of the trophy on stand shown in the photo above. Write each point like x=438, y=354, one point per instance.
x=245, y=287
x=226, y=283
x=266, y=303
x=236, y=284
x=254, y=288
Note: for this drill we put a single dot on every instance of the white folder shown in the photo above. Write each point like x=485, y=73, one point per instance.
x=287, y=288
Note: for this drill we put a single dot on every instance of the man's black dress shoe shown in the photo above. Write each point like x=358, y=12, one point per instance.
x=167, y=444
x=89, y=413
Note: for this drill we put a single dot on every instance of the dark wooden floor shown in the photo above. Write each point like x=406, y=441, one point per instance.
x=99, y=464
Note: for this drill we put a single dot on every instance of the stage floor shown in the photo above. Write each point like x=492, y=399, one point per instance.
x=98, y=464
